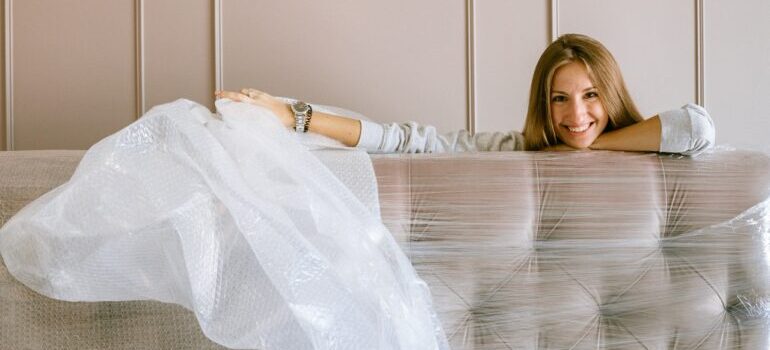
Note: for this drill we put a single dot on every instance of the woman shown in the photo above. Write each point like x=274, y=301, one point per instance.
x=578, y=100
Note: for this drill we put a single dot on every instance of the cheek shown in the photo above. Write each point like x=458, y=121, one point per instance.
x=600, y=114
x=556, y=116
x=605, y=120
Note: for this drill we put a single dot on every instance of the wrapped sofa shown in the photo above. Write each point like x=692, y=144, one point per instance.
x=521, y=250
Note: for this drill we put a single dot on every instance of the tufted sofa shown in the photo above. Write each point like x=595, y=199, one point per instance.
x=521, y=250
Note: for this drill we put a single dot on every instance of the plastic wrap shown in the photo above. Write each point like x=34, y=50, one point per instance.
x=232, y=219
x=588, y=250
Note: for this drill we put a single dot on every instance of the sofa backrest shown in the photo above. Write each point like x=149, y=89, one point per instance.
x=586, y=250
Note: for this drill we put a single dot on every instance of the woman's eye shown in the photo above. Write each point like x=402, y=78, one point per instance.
x=592, y=94
x=558, y=99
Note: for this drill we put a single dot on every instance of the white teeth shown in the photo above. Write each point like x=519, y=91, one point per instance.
x=579, y=128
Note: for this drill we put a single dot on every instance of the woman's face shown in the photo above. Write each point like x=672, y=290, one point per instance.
x=576, y=111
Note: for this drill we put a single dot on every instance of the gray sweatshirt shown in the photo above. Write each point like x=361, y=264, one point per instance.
x=688, y=130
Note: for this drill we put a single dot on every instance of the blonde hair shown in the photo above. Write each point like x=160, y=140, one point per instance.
x=604, y=73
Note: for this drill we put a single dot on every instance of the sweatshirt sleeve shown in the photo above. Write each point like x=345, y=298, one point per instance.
x=411, y=137
x=688, y=130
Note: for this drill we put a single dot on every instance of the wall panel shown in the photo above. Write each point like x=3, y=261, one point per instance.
x=509, y=37
x=392, y=60
x=73, y=71
x=75, y=61
x=653, y=41
x=179, y=58
x=737, y=68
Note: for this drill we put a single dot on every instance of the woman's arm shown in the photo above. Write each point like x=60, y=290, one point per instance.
x=688, y=130
x=342, y=129
x=409, y=137
x=643, y=136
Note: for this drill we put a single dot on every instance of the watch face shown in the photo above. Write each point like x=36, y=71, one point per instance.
x=300, y=107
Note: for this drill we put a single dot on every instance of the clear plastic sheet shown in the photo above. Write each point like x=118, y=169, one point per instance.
x=233, y=219
x=588, y=250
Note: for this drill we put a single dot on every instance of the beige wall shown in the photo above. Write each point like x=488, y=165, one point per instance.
x=737, y=64
x=73, y=80
x=509, y=37
x=377, y=57
x=83, y=69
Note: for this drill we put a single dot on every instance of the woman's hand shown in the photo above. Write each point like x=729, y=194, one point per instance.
x=259, y=98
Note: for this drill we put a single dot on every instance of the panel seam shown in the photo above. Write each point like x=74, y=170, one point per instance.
x=700, y=69
x=9, y=125
x=470, y=69
x=554, y=15
x=140, y=88
x=218, y=57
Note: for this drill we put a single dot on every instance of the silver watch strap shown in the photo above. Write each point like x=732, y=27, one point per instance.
x=299, y=122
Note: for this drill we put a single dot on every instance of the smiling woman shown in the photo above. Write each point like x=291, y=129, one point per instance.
x=578, y=97
x=578, y=100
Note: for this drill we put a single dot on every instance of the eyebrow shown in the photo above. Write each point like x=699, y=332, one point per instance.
x=564, y=93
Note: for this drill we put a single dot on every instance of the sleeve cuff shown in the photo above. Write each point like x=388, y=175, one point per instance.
x=688, y=130
x=675, y=129
x=371, y=136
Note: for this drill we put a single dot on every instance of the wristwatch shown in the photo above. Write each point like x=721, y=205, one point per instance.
x=302, y=113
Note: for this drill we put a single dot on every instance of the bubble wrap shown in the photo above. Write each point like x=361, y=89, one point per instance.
x=233, y=219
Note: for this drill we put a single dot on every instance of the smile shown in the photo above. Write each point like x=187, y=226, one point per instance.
x=581, y=129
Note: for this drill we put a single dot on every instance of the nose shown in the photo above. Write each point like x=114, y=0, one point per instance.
x=578, y=111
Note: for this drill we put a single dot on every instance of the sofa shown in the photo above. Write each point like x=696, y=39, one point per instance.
x=521, y=250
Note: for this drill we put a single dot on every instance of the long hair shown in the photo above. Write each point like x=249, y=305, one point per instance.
x=604, y=73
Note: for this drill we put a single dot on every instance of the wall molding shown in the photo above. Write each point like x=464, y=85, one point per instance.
x=218, y=63
x=140, y=87
x=9, y=144
x=470, y=69
x=700, y=68
x=554, y=15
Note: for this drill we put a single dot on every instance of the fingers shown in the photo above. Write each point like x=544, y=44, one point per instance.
x=252, y=92
x=252, y=96
x=247, y=92
x=259, y=96
x=235, y=96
